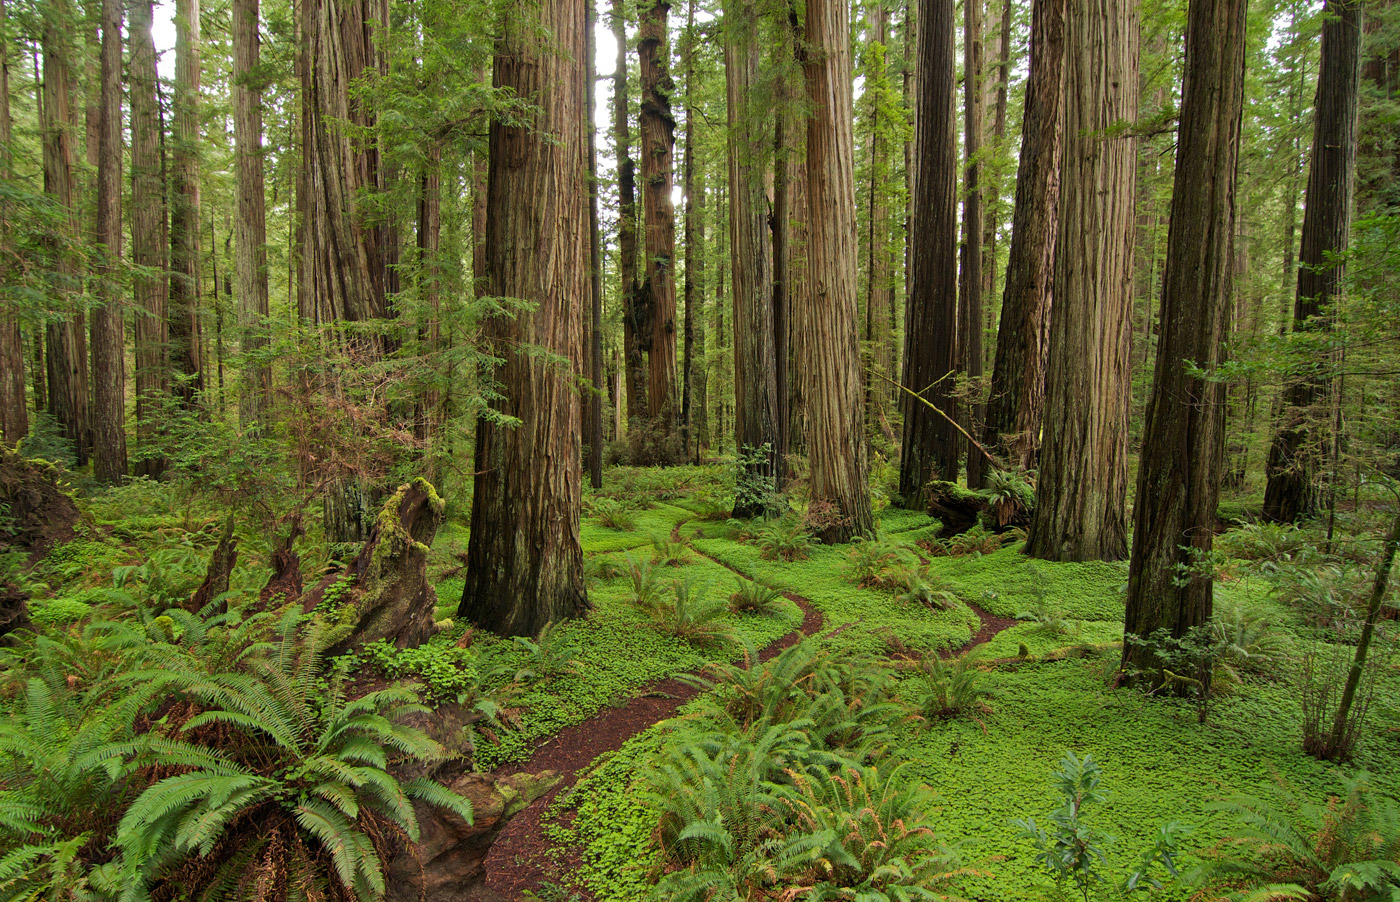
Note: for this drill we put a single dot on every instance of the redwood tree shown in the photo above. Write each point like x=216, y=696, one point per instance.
x=1083, y=479
x=183, y=309
x=1296, y=450
x=658, y=127
x=1018, y=380
x=14, y=415
x=1184, y=435
x=835, y=416
x=524, y=560
x=635, y=326
x=930, y=445
x=251, y=245
x=970, y=309
x=108, y=335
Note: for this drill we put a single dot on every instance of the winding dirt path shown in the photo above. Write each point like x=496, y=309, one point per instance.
x=522, y=859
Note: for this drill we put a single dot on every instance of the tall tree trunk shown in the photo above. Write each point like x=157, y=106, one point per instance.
x=658, y=128
x=970, y=310
x=790, y=284
x=635, y=325
x=595, y=260
x=930, y=445
x=877, y=270
x=755, y=350
x=251, y=242
x=185, y=331
x=14, y=415
x=108, y=334
x=67, y=364
x=691, y=250
x=998, y=96
x=1184, y=436
x=1297, y=448
x=524, y=561
x=699, y=374
x=1083, y=478
x=149, y=239
x=835, y=437
x=432, y=402
x=1017, y=396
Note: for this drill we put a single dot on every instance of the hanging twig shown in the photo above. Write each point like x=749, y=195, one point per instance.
x=996, y=464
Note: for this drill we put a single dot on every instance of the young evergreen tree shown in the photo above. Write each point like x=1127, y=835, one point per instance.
x=835, y=416
x=524, y=560
x=108, y=333
x=1017, y=395
x=1296, y=452
x=1081, y=493
x=930, y=444
x=1184, y=437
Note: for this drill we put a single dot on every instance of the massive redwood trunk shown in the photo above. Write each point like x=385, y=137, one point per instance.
x=755, y=351
x=1081, y=493
x=1184, y=435
x=524, y=562
x=1018, y=380
x=14, y=415
x=251, y=246
x=185, y=330
x=840, y=488
x=930, y=445
x=970, y=308
x=108, y=335
x=1297, y=448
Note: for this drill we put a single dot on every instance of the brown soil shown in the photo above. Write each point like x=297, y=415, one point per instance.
x=523, y=860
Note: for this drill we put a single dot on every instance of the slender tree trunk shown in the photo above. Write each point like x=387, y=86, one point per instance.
x=755, y=351
x=595, y=256
x=524, y=561
x=970, y=310
x=1083, y=478
x=658, y=128
x=431, y=403
x=108, y=334
x=66, y=361
x=688, y=360
x=835, y=437
x=14, y=415
x=185, y=332
x=790, y=284
x=930, y=446
x=1017, y=395
x=635, y=325
x=252, y=221
x=149, y=239
x=695, y=271
x=999, y=103
x=875, y=343
x=1184, y=436
x=1297, y=448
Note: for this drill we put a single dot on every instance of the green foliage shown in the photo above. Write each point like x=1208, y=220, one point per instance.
x=614, y=513
x=956, y=686
x=647, y=590
x=553, y=653
x=755, y=598
x=1010, y=493
x=976, y=541
x=755, y=481
x=923, y=588
x=879, y=564
x=602, y=569
x=1075, y=852
x=693, y=615
x=669, y=552
x=784, y=540
x=1347, y=850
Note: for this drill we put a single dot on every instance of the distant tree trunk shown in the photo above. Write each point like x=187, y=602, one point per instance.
x=185, y=332
x=432, y=402
x=1082, y=487
x=67, y=343
x=688, y=358
x=755, y=351
x=252, y=222
x=658, y=128
x=790, y=284
x=1297, y=448
x=1184, y=435
x=999, y=101
x=877, y=275
x=636, y=332
x=970, y=310
x=930, y=446
x=108, y=334
x=524, y=560
x=1017, y=395
x=835, y=436
x=699, y=374
x=14, y=415
x=595, y=267
x=149, y=239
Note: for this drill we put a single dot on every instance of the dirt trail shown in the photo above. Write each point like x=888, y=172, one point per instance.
x=522, y=858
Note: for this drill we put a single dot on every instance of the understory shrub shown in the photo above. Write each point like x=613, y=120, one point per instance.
x=692, y=614
x=752, y=597
x=784, y=540
x=956, y=686
x=880, y=564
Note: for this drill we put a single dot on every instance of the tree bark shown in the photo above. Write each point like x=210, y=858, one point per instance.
x=691, y=250
x=251, y=243
x=1017, y=396
x=1184, y=435
x=835, y=437
x=930, y=443
x=658, y=128
x=149, y=239
x=67, y=344
x=14, y=415
x=183, y=307
x=755, y=350
x=635, y=325
x=524, y=560
x=970, y=310
x=1297, y=447
x=108, y=334
x=1082, y=487
x=875, y=349
x=595, y=268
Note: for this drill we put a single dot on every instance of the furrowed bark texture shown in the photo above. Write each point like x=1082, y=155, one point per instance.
x=658, y=127
x=524, y=560
x=108, y=334
x=251, y=239
x=1083, y=478
x=635, y=326
x=970, y=310
x=183, y=304
x=14, y=415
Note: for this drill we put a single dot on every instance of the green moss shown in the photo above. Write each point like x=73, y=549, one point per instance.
x=1006, y=582
x=58, y=611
